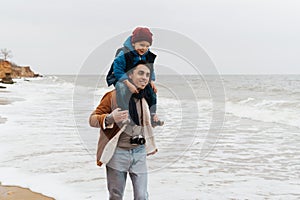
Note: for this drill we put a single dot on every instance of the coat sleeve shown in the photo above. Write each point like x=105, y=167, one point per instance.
x=120, y=67
x=103, y=109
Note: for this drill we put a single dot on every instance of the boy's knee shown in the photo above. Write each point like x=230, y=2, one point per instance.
x=121, y=87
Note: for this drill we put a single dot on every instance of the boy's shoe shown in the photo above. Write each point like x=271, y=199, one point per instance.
x=156, y=123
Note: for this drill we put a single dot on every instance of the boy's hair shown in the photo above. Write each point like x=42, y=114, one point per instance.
x=140, y=62
x=141, y=34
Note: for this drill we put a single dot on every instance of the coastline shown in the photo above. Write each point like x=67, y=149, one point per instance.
x=8, y=192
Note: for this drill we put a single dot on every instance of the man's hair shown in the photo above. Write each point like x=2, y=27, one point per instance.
x=140, y=62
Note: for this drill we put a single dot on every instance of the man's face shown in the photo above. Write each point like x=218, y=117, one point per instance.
x=141, y=47
x=140, y=76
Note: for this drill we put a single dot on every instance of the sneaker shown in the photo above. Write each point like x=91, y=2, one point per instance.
x=157, y=123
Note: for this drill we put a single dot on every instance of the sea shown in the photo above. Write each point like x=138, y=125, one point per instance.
x=224, y=137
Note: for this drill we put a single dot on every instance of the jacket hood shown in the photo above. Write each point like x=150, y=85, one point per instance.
x=128, y=44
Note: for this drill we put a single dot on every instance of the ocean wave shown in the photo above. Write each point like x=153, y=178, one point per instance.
x=278, y=104
x=282, y=112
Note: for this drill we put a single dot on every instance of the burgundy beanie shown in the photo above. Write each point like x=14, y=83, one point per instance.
x=141, y=34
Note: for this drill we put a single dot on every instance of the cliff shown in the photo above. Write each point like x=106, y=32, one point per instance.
x=5, y=67
x=15, y=71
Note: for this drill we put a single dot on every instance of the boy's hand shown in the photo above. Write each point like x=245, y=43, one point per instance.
x=131, y=87
x=153, y=86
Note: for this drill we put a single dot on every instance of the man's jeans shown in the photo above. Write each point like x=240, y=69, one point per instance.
x=122, y=162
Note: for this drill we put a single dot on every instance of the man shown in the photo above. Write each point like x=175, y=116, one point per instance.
x=123, y=147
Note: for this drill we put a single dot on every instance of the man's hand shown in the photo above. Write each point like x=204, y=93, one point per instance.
x=131, y=87
x=119, y=115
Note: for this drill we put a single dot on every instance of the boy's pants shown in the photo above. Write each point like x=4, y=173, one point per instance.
x=124, y=94
x=123, y=162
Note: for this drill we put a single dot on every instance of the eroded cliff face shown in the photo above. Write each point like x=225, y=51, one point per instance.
x=21, y=72
x=5, y=67
x=15, y=71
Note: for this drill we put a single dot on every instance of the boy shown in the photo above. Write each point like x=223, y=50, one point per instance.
x=136, y=48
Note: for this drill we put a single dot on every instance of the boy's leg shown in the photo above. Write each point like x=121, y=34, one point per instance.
x=123, y=95
x=151, y=98
x=116, y=181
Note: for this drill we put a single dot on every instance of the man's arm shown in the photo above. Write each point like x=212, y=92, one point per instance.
x=104, y=117
x=97, y=118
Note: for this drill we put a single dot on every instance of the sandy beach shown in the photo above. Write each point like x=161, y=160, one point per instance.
x=19, y=193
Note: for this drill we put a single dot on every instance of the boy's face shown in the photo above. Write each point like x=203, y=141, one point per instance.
x=141, y=47
x=140, y=76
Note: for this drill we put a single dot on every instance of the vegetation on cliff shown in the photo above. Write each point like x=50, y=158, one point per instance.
x=9, y=70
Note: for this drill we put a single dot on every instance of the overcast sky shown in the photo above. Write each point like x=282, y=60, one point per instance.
x=240, y=36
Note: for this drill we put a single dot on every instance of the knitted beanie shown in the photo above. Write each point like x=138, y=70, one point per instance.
x=141, y=34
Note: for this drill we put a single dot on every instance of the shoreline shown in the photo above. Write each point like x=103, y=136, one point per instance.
x=8, y=192
x=13, y=192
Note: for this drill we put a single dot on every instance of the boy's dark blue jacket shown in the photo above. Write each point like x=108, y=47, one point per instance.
x=120, y=61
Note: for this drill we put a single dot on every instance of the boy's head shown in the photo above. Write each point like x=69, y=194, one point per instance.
x=141, y=34
x=141, y=39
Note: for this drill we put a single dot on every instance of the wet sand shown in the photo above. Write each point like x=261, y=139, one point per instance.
x=19, y=193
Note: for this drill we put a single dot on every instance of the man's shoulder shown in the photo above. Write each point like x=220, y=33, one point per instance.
x=109, y=98
x=109, y=94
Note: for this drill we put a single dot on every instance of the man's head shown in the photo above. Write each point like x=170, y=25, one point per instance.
x=140, y=74
x=141, y=40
